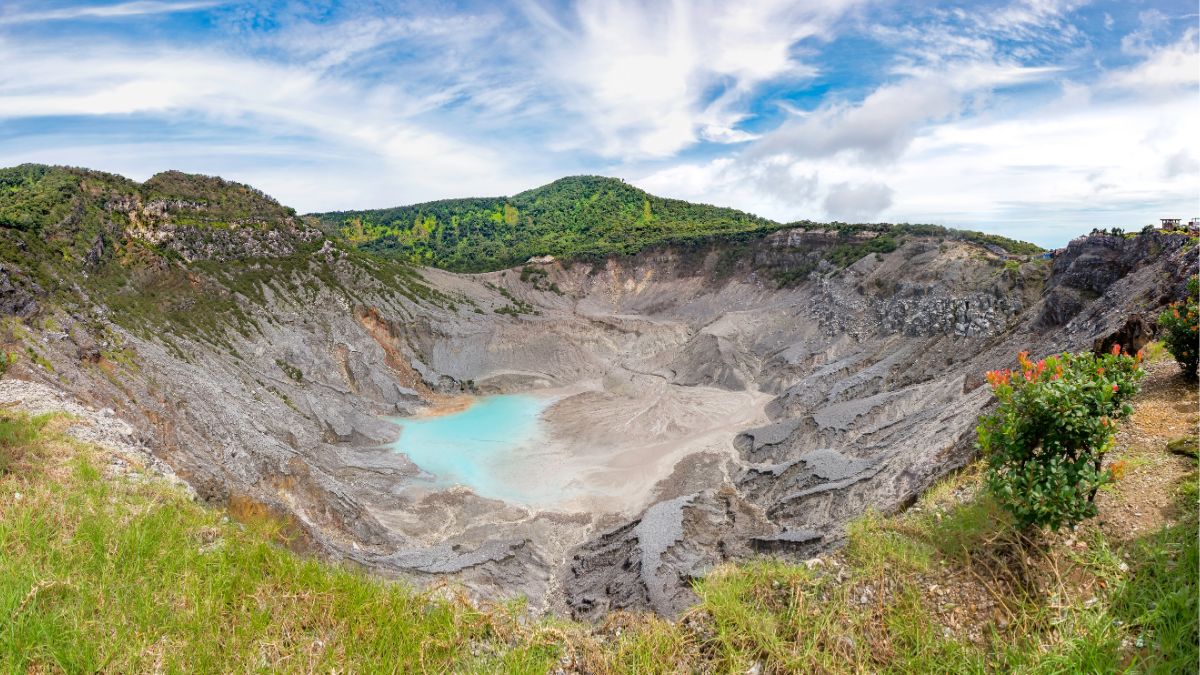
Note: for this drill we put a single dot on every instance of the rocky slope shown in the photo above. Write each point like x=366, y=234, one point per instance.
x=258, y=359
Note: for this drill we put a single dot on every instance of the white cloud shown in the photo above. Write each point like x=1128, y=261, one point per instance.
x=858, y=202
x=117, y=10
x=1142, y=41
x=1026, y=18
x=263, y=101
x=645, y=77
x=1092, y=160
x=1180, y=163
x=374, y=110
x=327, y=46
x=778, y=177
x=880, y=128
x=1102, y=155
x=1168, y=70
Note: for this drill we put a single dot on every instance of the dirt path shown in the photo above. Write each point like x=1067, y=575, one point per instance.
x=1143, y=500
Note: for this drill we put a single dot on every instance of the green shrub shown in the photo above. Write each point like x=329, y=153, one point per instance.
x=1046, y=441
x=290, y=370
x=1179, y=329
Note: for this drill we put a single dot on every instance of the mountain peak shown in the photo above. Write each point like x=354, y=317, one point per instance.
x=586, y=182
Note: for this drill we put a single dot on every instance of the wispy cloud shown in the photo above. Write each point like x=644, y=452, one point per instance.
x=18, y=14
x=648, y=80
x=1046, y=178
x=270, y=103
x=965, y=133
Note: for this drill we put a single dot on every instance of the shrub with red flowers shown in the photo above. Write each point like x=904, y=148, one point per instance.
x=1045, y=443
x=1180, y=333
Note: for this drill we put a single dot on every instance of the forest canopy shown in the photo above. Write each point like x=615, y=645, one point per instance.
x=578, y=217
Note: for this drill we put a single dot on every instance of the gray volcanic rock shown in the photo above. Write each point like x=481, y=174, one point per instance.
x=755, y=443
x=1090, y=266
x=447, y=559
x=793, y=542
x=874, y=419
x=14, y=300
x=651, y=562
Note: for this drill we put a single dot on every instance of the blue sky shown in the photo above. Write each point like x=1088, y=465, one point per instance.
x=1039, y=119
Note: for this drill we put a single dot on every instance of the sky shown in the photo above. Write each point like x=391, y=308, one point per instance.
x=1037, y=119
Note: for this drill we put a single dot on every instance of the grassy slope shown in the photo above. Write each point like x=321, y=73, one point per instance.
x=579, y=217
x=129, y=575
x=59, y=234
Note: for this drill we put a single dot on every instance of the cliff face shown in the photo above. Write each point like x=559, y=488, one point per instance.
x=258, y=359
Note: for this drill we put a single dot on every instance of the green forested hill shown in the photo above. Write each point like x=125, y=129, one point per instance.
x=40, y=197
x=53, y=200
x=174, y=252
x=578, y=216
x=220, y=201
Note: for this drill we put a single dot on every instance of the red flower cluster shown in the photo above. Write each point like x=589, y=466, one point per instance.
x=998, y=377
x=1118, y=469
x=1116, y=351
x=1035, y=371
x=1188, y=312
x=1030, y=370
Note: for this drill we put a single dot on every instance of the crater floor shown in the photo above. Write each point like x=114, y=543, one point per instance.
x=597, y=447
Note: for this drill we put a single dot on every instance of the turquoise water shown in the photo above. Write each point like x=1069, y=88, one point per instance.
x=492, y=447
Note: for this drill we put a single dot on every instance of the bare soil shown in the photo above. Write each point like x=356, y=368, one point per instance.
x=1143, y=500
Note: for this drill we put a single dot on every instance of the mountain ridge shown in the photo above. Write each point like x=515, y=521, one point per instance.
x=432, y=233
x=583, y=218
x=574, y=216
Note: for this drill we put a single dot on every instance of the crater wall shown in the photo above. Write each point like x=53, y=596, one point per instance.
x=765, y=416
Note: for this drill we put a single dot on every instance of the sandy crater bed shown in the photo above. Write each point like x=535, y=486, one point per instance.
x=622, y=442
x=608, y=443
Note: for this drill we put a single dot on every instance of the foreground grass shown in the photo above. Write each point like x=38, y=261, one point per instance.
x=120, y=574
x=874, y=609
x=110, y=574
